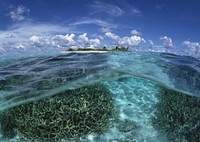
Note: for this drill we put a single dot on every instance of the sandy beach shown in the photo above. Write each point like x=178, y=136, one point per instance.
x=84, y=51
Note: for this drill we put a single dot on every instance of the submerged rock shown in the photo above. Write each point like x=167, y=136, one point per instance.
x=71, y=114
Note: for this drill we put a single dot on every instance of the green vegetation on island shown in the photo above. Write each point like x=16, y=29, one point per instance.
x=100, y=49
x=178, y=116
x=68, y=115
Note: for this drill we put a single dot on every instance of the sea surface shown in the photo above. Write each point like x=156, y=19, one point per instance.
x=155, y=96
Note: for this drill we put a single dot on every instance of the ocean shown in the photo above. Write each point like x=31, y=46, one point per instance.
x=100, y=97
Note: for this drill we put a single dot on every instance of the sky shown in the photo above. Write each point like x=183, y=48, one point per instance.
x=141, y=25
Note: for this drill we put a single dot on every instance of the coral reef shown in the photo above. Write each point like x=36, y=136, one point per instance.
x=7, y=125
x=178, y=116
x=71, y=114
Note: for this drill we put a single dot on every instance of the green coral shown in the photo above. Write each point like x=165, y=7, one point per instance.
x=178, y=116
x=7, y=125
x=71, y=114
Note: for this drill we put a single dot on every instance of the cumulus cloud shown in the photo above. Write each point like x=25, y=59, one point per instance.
x=97, y=36
x=29, y=35
x=84, y=41
x=50, y=41
x=101, y=7
x=45, y=36
x=167, y=41
x=193, y=47
x=69, y=38
x=132, y=41
x=38, y=41
x=95, y=42
x=59, y=41
x=112, y=36
x=34, y=38
x=83, y=38
x=136, y=32
x=19, y=13
x=23, y=46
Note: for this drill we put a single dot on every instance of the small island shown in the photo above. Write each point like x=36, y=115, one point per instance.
x=123, y=49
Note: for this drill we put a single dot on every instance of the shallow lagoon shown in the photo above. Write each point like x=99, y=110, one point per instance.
x=142, y=106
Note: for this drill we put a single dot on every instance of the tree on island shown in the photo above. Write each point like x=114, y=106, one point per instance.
x=120, y=49
x=117, y=48
x=104, y=48
x=70, y=49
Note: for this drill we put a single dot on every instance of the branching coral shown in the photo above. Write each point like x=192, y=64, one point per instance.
x=178, y=116
x=71, y=114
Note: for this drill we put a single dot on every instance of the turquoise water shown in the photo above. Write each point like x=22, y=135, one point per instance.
x=140, y=84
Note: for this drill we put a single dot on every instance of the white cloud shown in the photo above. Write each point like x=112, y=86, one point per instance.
x=132, y=41
x=33, y=35
x=130, y=9
x=114, y=9
x=136, y=32
x=193, y=47
x=136, y=11
x=95, y=42
x=110, y=9
x=38, y=41
x=23, y=46
x=61, y=41
x=83, y=38
x=34, y=38
x=69, y=38
x=97, y=22
x=112, y=36
x=167, y=42
x=151, y=43
x=105, y=29
x=44, y=36
x=23, y=31
x=19, y=13
x=98, y=36
x=84, y=41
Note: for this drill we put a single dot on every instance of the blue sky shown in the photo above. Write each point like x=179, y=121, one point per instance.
x=138, y=24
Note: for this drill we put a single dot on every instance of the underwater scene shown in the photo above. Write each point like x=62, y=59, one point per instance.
x=100, y=97
x=99, y=71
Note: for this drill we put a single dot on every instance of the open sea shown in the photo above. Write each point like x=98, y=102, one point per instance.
x=100, y=97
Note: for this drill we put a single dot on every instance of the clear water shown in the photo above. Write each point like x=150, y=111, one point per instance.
x=136, y=81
